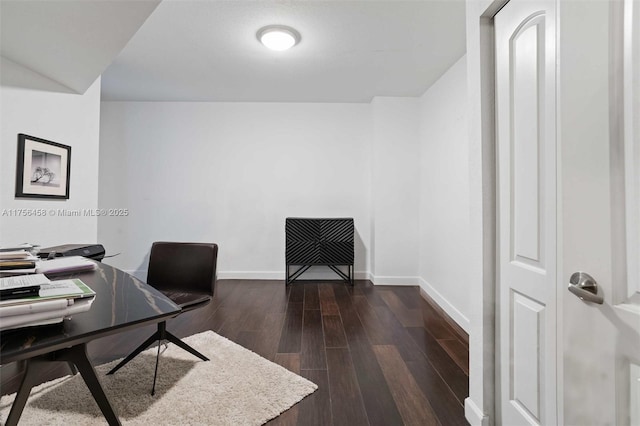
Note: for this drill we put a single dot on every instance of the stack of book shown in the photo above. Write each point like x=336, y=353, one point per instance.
x=29, y=300
x=17, y=262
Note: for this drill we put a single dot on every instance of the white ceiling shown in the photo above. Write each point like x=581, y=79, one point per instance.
x=350, y=51
x=68, y=41
x=206, y=50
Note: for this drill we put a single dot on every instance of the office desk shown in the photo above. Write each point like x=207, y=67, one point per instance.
x=122, y=302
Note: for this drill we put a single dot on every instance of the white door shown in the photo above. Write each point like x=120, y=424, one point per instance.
x=595, y=179
x=525, y=33
x=599, y=140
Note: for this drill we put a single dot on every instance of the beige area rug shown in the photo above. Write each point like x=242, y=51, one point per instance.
x=236, y=387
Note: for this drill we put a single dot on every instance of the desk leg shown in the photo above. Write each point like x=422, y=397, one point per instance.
x=78, y=356
x=29, y=380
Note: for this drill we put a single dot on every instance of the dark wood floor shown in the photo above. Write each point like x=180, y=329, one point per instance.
x=380, y=355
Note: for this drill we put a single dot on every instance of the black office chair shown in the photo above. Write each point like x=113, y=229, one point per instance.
x=186, y=274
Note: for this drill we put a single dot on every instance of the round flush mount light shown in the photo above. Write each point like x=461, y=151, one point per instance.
x=278, y=37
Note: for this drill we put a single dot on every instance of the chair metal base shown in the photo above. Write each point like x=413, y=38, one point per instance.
x=160, y=335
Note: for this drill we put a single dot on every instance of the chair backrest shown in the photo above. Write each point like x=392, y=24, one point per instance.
x=183, y=267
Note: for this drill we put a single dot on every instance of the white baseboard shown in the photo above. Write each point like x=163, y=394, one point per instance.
x=474, y=415
x=279, y=275
x=309, y=275
x=382, y=280
x=250, y=275
x=451, y=310
x=141, y=274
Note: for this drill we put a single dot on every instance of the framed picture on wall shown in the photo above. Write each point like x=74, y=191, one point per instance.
x=43, y=168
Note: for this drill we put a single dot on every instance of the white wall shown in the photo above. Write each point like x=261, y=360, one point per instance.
x=231, y=173
x=444, y=193
x=70, y=119
x=395, y=190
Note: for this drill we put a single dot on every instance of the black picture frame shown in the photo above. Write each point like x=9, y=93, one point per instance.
x=43, y=168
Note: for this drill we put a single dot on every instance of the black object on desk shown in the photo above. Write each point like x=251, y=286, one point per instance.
x=91, y=251
x=319, y=241
x=20, y=292
x=122, y=302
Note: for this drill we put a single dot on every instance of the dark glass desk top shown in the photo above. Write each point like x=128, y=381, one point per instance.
x=121, y=302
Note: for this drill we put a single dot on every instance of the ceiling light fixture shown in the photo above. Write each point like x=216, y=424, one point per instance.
x=278, y=37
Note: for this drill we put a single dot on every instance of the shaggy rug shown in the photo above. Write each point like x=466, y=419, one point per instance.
x=236, y=387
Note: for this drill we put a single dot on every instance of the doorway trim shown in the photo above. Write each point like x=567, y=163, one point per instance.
x=481, y=405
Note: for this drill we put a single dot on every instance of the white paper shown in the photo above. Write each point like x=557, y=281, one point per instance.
x=34, y=308
x=19, y=281
x=48, y=317
x=64, y=264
